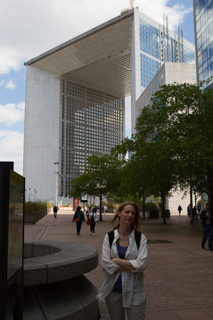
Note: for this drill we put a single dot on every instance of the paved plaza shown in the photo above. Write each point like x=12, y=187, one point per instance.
x=179, y=275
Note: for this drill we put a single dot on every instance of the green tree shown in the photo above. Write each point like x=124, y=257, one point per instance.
x=176, y=131
x=100, y=178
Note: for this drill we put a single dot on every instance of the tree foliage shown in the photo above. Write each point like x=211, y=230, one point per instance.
x=100, y=178
x=175, y=134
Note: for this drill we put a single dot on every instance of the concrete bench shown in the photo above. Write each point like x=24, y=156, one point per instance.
x=54, y=285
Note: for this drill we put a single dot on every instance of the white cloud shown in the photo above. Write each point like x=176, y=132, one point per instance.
x=37, y=26
x=10, y=85
x=11, y=146
x=9, y=59
x=11, y=114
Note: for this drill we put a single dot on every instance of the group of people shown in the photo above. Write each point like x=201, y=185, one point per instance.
x=195, y=211
x=207, y=222
x=92, y=219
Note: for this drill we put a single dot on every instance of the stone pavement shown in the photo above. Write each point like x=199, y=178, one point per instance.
x=179, y=275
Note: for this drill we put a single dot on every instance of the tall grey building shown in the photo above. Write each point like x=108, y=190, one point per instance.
x=75, y=94
x=203, y=18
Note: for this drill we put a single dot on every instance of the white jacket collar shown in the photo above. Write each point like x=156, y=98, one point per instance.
x=116, y=234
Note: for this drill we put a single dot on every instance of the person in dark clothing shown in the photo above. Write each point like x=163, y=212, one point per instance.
x=55, y=210
x=93, y=217
x=95, y=209
x=188, y=210
x=207, y=220
x=179, y=209
x=88, y=212
x=198, y=209
x=78, y=218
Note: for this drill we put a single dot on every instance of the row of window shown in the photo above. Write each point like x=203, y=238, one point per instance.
x=205, y=35
x=204, y=17
x=152, y=90
x=148, y=75
x=201, y=5
x=205, y=55
x=206, y=73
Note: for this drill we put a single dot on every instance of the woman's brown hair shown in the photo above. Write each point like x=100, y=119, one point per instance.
x=137, y=221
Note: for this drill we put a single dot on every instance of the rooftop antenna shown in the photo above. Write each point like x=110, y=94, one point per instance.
x=131, y=4
x=163, y=38
x=167, y=38
x=182, y=52
x=179, y=54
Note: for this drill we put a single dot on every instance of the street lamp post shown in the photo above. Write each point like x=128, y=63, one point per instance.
x=56, y=183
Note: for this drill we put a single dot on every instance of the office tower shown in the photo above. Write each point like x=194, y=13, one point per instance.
x=203, y=18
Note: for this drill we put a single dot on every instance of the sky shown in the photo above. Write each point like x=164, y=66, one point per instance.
x=29, y=28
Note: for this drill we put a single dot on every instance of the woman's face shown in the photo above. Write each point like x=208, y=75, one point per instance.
x=127, y=215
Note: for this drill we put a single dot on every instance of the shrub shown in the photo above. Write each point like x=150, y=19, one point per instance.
x=151, y=206
x=31, y=206
x=110, y=205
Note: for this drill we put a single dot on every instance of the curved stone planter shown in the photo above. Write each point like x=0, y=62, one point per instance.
x=55, y=287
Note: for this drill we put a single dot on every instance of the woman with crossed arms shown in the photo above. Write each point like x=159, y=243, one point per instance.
x=124, y=263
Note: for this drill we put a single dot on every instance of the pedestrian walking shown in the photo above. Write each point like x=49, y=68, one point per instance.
x=188, y=210
x=88, y=213
x=179, y=209
x=207, y=220
x=78, y=218
x=194, y=213
x=93, y=219
x=198, y=209
x=55, y=210
x=124, y=259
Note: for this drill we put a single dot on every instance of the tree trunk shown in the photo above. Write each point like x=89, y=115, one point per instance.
x=210, y=190
x=191, y=204
x=144, y=199
x=100, y=218
x=163, y=206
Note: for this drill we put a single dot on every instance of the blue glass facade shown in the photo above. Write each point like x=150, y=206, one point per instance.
x=149, y=68
x=204, y=37
x=151, y=51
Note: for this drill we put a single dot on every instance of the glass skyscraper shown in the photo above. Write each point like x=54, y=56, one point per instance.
x=203, y=17
x=157, y=47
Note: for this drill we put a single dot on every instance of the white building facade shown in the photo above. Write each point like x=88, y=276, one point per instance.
x=75, y=95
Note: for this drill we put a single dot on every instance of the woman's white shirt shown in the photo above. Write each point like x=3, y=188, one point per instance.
x=133, y=290
x=94, y=215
